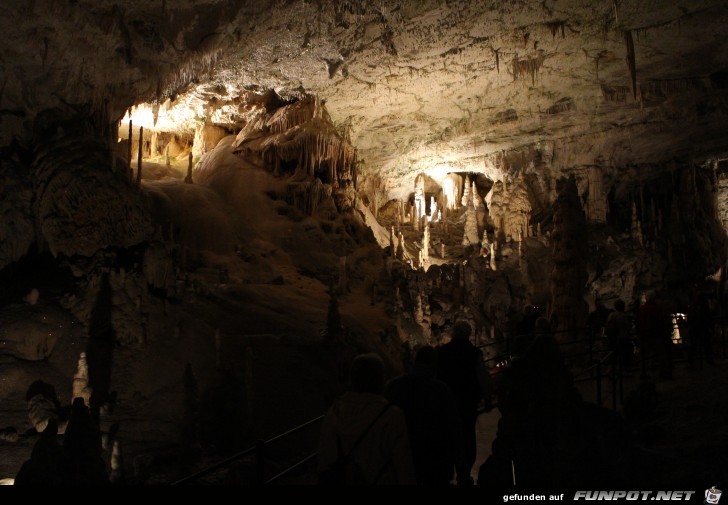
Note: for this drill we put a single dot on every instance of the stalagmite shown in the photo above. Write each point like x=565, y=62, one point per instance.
x=392, y=249
x=139, y=157
x=492, y=256
x=433, y=209
x=420, y=199
x=466, y=192
x=117, y=465
x=470, y=232
x=569, y=274
x=400, y=246
x=520, y=244
x=166, y=156
x=131, y=136
x=154, y=144
x=188, y=178
x=442, y=250
x=636, y=229
x=477, y=201
x=426, y=242
x=510, y=210
x=81, y=387
x=484, y=244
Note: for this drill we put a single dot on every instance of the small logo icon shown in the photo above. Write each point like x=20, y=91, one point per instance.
x=712, y=496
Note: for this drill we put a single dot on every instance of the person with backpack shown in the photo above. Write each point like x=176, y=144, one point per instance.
x=364, y=437
x=432, y=417
x=460, y=365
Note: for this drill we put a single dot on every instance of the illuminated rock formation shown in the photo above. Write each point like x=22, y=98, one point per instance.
x=510, y=208
x=568, y=277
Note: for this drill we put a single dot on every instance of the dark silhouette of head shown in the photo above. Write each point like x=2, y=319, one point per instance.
x=542, y=326
x=427, y=356
x=619, y=305
x=462, y=330
x=367, y=374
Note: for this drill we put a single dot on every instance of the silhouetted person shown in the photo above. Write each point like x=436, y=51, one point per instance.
x=364, y=435
x=598, y=317
x=547, y=436
x=48, y=464
x=100, y=347
x=700, y=321
x=655, y=329
x=460, y=365
x=82, y=445
x=618, y=331
x=524, y=330
x=433, y=421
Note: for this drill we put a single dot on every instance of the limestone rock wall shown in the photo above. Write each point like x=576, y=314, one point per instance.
x=81, y=206
x=17, y=226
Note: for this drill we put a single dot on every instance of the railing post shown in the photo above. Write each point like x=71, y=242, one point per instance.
x=621, y=382
x=599, y=383
x=614, y=382
x=591, y=345
x=260, y=461
x=700, y=348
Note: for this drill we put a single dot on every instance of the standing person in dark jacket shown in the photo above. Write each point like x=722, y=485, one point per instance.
x=433, y=421
x=460, y=365
x=363, y=435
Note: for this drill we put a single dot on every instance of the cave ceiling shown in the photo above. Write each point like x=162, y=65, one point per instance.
x=422, y=85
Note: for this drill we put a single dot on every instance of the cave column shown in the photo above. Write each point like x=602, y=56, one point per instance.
x=596, y=200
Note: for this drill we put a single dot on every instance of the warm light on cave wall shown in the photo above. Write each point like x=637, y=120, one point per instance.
x=180, y=117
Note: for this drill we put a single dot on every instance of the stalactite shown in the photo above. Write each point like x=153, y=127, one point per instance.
x=555, y=27
x=528, y=66
x=631, y=64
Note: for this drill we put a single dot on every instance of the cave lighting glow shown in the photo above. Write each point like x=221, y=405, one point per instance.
x=181, y=116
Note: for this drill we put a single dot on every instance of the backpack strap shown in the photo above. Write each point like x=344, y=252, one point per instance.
x=366, y=431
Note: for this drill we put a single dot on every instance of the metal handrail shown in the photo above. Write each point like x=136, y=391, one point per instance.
x=595, y=365
x=242, y=454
